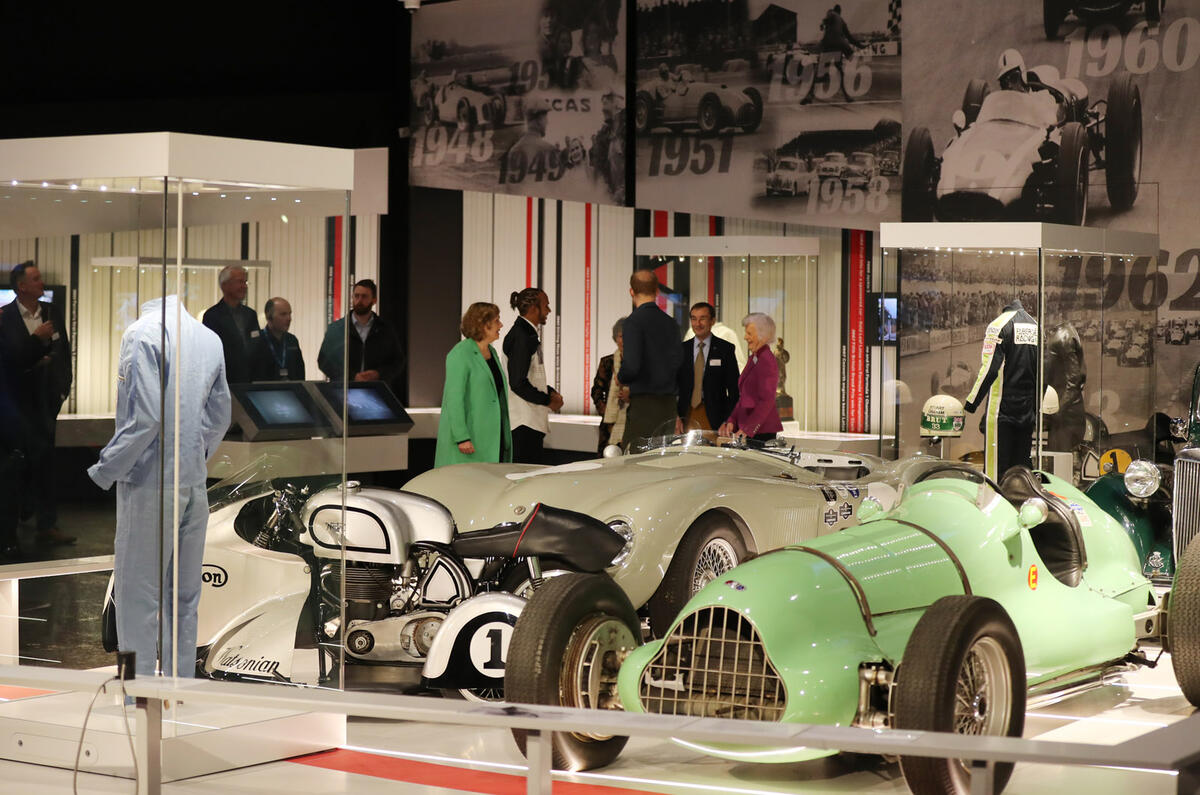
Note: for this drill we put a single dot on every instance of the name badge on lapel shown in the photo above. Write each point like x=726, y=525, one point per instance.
x=714, y=362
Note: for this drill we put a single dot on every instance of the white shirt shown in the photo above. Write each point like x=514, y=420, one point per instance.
x=32, y=319
x=363, y=329
x=705, y=345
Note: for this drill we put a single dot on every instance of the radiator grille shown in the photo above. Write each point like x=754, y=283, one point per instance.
x=1186, y=507
x=713, y=665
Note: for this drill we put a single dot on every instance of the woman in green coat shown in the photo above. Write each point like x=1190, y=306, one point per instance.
x=474, y=422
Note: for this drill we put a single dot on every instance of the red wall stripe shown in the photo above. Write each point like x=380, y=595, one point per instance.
x=660, y=223
x=529, y=241
x=338, y=298
x=587, y=308
x=444, y=776
x=856, y=338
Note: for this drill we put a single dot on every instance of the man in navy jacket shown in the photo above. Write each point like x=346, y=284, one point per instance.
x=710, y=363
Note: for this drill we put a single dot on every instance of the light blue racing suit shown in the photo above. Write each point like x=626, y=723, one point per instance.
x=131, y=460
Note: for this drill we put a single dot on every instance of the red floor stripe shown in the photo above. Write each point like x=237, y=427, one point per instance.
x=446, y=776
x=8, y=693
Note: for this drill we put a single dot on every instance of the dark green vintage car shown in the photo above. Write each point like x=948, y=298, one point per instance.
x=1158, y=503
x=942, y=614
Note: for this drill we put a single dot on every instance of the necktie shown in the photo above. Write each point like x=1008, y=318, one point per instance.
x=698, y=375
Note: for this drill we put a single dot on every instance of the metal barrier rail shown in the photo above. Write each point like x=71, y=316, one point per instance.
x=1172, y=748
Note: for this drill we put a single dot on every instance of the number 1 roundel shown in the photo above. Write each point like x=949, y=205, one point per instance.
x=489, y=647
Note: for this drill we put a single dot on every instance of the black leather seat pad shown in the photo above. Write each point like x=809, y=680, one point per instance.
x=1059, y=539
x=582, y=541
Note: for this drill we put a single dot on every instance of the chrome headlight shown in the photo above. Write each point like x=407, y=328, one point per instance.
x=1142, y=478
x=624, y=529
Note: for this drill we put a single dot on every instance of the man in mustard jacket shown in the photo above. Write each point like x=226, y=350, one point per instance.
x=474, y=426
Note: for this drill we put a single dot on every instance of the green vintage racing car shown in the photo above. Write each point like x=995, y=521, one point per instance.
x=941, y=614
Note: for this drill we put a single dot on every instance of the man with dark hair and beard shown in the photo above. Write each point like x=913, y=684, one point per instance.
x=373, y=352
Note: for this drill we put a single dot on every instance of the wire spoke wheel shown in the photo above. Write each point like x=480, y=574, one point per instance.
x=963, y=671
x=716, y=558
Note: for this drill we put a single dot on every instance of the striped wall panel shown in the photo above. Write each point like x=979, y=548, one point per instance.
x=500, y=245
x=296, y=251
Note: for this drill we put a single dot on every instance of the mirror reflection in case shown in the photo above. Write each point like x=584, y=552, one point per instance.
x=371, y=408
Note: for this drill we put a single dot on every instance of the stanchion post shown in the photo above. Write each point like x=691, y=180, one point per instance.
x=149, y=746
x=983, y=775
x=540, y=757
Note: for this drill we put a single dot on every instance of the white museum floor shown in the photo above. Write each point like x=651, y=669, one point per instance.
x=395, y=757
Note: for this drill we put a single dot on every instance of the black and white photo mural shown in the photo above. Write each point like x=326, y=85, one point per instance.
x=523, y=96
x=786, y=110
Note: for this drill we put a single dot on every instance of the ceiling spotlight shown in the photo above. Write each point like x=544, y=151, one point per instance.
x=222, y=195
x=283, y=218
x=195, y=193
x=14, y=182
x=45, y=184
x=74, y=186
x=247, y=198
x=103, y=188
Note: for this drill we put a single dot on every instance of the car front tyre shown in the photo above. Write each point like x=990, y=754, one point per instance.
x=1053, y=14
x=1123, y=147
x=963, y=671
x=1071, y=188
x=1183, y=624
x=918, y=185
x=565, y=651
x=710, y=547
x=709, y=115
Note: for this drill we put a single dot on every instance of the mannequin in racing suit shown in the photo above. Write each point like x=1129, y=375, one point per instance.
x=131, y=460
x=1008, y=380
x=1066, y=371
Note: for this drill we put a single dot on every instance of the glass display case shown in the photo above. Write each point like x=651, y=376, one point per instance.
x=147, y=234
x=1088, y=292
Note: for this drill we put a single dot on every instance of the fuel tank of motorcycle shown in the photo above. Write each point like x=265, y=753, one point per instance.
x=379, y=524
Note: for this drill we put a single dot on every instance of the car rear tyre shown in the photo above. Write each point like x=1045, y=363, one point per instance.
x=1053, y=15
x=566, y=651
x=919, y=180
x=1123, y=148
x=643, y=113
x=963, y=671
x=710, y=547
x=709, y=115
x=977, y=91
x=1154, y=9
x=466, y=115
x=756, y=99
x=1183, y=624
x=429, y=112
x=1071, y=190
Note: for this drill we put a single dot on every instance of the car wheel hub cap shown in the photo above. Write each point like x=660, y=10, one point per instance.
x=594, y=656
x=716, y=557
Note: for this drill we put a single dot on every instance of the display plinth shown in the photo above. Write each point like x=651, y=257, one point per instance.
x=208, y=738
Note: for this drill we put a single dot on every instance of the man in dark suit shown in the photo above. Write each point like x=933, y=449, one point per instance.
x=37, y=360
x=233, y=322
x=274, y=353
x=708, y=375
x=374, y=349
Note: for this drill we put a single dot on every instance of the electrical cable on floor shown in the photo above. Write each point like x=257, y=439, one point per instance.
x=83, y=731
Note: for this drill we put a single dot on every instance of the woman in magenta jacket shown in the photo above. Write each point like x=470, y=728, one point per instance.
x=755, y=414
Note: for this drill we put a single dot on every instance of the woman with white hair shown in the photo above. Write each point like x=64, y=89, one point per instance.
x=755, y=414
